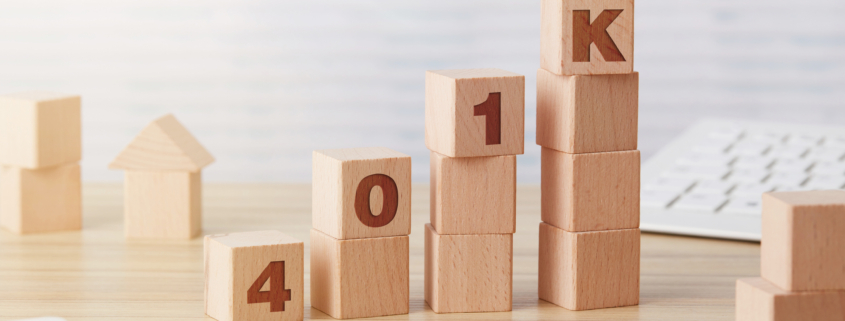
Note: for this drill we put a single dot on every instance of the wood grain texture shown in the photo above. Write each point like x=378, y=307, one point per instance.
x=337, y=175
x=233, y=262
x=359, y=278
x=759, y=300
x=589, y=270
x=468, y=273
x=40, y=200
x=587, y=113
x=803, y=244
x=591, y=192
x=165, y=145
x=40, y=129
x=473, y=195
x=451, y=126
x=558, y=37
x=162, y=204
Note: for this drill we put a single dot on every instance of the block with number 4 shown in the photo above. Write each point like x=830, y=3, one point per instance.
x=474, y=112
x=254, y=276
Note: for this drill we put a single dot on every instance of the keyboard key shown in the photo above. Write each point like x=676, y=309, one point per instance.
x=712, y=187
x=825, y=182
x=697, y=172
x=753, y=162
x=788, y=152
x=728, y=133
x=750, y=148
x=769, y=137
x=792, y=165
x=668, y=184
x=787, y=179
x=699, y=159
x=805, y=139
x=658, y=199
x=791, y=188
x=826, y=154
x=744, y=206
x=748, y=175
x=711, y=147
x=753, y=190
x=828, y=168
x=835, y=141
x=700, y=202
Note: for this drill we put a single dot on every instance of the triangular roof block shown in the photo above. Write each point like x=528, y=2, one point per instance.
x=163, y=145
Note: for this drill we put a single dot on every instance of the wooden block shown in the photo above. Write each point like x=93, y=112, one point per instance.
x=163, y=145
x=759, y=300
x=803, y=244
x=474, y=112
x=359, y=278
x=468, y=273
x=587, y=113
x=40, y=200
x=254, y=276
x=473, y=195
x=582, y=37
x=162, y=204
x=361, y=192
x=40, y=129
x=590, y=192
x=589, y=270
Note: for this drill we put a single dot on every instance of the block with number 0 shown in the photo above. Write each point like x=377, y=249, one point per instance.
x=254, y=276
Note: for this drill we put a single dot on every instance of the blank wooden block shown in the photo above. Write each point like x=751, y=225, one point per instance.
x=474, y=112
x=162, y=204
x=803, y=244
x=587, y=113
x=254, y=276
x=589, y=270
x=581, y=37
x=40, y=200
x=40, y=129
x=759, y=300
x=590, y=192
x=359, y=278
x=361, y=192
x=166, y=145
x=468, y=273
x=473, y=195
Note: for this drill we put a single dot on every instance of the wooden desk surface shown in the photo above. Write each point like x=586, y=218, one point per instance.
x=96, y=274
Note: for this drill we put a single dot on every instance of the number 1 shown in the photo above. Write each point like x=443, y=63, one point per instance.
x=277, y=295
x=491, y=109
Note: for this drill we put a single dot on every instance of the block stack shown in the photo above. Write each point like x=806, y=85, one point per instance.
x=587, y=128
x=474, y=127
x=802, y=261
x=40, y=150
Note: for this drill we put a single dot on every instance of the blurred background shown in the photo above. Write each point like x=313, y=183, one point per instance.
x=263, y=83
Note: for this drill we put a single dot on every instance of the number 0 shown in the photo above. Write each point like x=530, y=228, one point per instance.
x=277, y=295
x=390, y=203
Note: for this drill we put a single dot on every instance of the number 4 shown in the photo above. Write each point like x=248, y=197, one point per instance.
x=277, y=295
x=491, y=109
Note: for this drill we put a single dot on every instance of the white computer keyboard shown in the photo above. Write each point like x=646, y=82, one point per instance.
x=709, y=181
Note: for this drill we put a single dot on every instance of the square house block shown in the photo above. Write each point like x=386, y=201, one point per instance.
x=759, y=300
x=803, y=243
x=468, y=273
x=473, y=195
x=587, y=114
x=254, y=276
x=361, y=192
x=162, y=204
x=40, y=200
x=474, y=112
x=40, y=129
x=583, y=37
x=359, y=278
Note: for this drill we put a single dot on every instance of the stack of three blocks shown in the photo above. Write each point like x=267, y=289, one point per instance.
x=40, y=150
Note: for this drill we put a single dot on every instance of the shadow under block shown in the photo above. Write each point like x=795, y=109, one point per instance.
x=590, y=192
x=581, y=37
x=359, y=278
x=40, y=129
x=587, y=113
x=361, y=192
x=254, y=276
x=803, y=244
x=473, y=195
x=589, y=270
x=162, y=204
x=468, y=273
x=759, y=300
x=40, y=200
x=163, y=145
x=474, y=112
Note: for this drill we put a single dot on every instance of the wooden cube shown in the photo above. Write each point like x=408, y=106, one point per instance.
x=162, y=204
x=759, y=300
x=40, y=129
x=254, y=276
x=590, y=192
x=474, y=112
x=803, y=244
x=468, y=273
x=589, y=270
x=473, y=195
x=359, y=278
x=40, y=200
x=582, y=37
x=361, y=192
x=587, y=113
